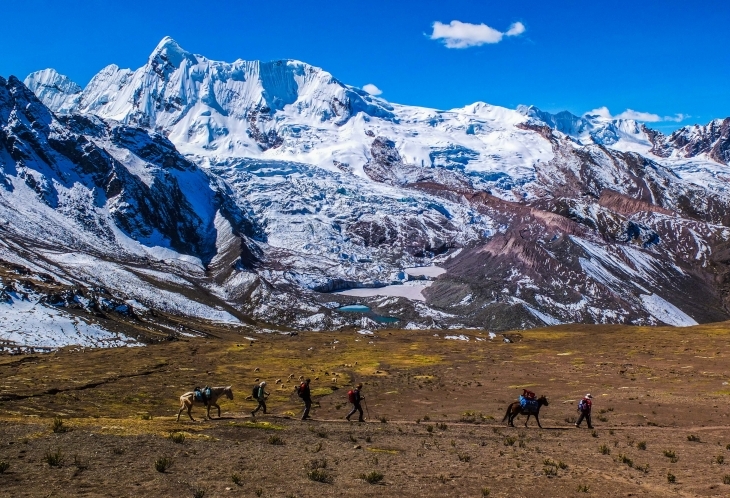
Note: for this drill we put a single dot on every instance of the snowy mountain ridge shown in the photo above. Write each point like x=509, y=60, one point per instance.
x=238, y=189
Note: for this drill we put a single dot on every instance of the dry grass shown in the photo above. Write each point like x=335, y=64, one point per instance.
x=116, y=409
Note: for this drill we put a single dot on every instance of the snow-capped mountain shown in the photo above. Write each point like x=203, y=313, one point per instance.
x=251, y=190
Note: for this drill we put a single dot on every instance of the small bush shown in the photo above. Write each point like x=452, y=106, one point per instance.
x=352, y=438
x=602, y=418
x=604, y=450
x=118, y=451
x=720, y=459
x=641, y=445
x=509, y=441
x=726, y=479
x=426, y=418
x=727, y=447
x=549, y=463
x=58, y=426
x=625, y=459
x=54, y=459
x=582, y=488
x=373, y=477
x=317, y=463
x=550, y=471
x=642, y=468
x=236, y=479
x=429, y=428
x=259, y=492
x=442, y=479
x=368, y=439
x=4, y=466
x=671, y=478
x=163, y=463
x=276, y=440
x=441, y=426
x=320, y=475
x=671, y=455
x=383, y=420
x=463, y=457
x=693, y=438
x=486, y=492
x=562, y=465
x=321, y=434
x=177, y=437
x=199, y=493
x=594, y=433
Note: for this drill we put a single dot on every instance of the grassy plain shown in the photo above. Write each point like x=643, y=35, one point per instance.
x=435, y=409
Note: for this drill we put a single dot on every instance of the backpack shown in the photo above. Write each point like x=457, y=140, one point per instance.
x=351, y=396
x=255, y=393
x=584, y=405
x=300, y=390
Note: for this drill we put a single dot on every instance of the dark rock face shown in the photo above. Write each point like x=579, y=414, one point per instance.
x=50, y=154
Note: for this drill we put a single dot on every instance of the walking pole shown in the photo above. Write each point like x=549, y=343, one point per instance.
x=366, y=408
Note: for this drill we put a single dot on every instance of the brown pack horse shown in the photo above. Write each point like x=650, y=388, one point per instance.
x=187, y=400
x=515, y=409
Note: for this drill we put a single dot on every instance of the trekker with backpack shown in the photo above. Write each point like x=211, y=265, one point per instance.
x=584, y=407
x=304, y=392
x=354, y=397
x=260, y=395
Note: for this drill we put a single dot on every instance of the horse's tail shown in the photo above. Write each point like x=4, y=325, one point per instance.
x=506, y=415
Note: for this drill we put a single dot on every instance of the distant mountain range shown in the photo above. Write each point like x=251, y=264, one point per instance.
x=247, y=192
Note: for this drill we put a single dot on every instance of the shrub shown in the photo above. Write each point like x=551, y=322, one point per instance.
x=177, y=437
x=486, y=492
x=320, y=475
x=4, y=466
x=318, y=463
x=510, y=441
x=163, y=463
x=594, y=433
x=463, y=457
x=625, y=459
x=562, y=465
x=641, y=445
x=54, y=459
x=441, y=426
x=368, y=439
x=671, y=455
x=604, y=450
x=276, y=440
x=671, y=478
x=720, y=459
x=321, y=434
x=550, y=471
x=693, y=438
x=429, y=428
x=259, y=492
x=236, y=479
x=58, y=426
x=199, y=493
x=726, y=479
x=373, y=477
x=383, y=420
x=118, y=451
x=582, y=488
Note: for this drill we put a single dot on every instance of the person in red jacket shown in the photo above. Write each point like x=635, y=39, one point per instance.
x=584, y=407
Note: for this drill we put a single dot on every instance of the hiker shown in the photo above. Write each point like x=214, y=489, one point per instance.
x=304, y=392
x=260, y=396
x=354, y=397
x=584, y=407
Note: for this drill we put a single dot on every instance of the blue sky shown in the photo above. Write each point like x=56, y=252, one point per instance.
x=669, y=59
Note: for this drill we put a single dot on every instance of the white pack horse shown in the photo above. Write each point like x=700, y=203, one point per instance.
x=187, y=400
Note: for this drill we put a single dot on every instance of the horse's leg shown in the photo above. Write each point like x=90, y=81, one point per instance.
x=537, y=417
x=508, y=414
x=528, y=418
x=219, y=409
x=208, y=411
x=190, y=407
x=181, y=410
x=512, y=416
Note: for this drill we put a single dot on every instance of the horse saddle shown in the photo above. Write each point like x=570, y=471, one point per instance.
x=528, y=404
x=202, y=395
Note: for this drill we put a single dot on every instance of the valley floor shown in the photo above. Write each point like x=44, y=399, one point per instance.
x=660, y=414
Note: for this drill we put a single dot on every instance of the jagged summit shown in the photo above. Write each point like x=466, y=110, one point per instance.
x=55, y=90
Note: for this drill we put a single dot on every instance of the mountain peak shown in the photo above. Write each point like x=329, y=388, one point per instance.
x=169, y=52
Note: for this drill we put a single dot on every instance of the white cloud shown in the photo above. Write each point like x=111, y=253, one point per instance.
x=372, y=89
x=459, y=34
x=646, y=117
